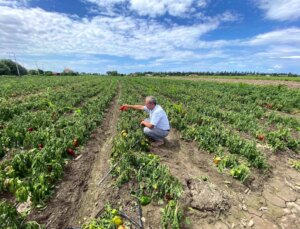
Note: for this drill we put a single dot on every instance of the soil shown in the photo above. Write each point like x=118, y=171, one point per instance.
x=289, y=84
x=210, y=199
x=268, y=201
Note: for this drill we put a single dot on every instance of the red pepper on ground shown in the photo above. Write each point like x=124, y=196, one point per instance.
x=261, y=137
x=71, y=152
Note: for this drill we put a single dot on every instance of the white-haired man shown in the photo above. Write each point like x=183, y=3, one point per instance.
x=157, y=126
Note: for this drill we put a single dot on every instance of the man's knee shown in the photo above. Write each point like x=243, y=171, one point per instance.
x=166, y=134
x=147, y=130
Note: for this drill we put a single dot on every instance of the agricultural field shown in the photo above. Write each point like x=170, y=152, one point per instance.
x=290, y=82
x=70, y=158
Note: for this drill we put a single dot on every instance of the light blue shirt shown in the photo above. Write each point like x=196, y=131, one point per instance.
x=158, y=117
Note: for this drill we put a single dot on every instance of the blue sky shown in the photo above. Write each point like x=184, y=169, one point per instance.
x=152, y=35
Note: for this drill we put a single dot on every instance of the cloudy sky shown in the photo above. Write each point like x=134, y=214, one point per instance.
x=152, y=35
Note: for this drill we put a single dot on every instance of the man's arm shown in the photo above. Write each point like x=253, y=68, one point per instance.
x=135, y=107
x=156, y=117
x=147, y=124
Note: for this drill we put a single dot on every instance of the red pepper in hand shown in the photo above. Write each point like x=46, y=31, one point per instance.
x=123, y=108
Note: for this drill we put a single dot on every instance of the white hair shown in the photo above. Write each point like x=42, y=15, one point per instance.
x=151, y=99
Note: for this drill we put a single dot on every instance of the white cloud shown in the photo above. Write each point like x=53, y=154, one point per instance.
x=277, y=66
x=161, y=7
x=146, y=43
x=228, y=16
x=280, y=10
x=290, y=57
x=202, y=3
x=105, y=2
x=283, y=36
x=33, y=30
x=14, y=3
x=271, y=49
x=153, y=8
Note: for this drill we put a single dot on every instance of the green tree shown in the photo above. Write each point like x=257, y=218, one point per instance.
x=4, y=69
x=41, y=72
x=13, y=68
x=112, y=73
x=48, y=73
x=32, y=72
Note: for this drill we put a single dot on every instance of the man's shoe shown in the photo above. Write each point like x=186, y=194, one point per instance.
x=157, y=143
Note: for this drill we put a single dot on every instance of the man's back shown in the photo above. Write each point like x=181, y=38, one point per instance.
x=158, y=117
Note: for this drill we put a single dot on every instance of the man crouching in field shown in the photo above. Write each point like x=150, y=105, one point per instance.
x=157, y=126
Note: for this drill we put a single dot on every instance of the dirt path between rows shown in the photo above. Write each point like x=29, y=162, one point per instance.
x=289, y=84
x=269, y=201
x=76, y=195
x=88, y=205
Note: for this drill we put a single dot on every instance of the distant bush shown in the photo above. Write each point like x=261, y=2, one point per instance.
x=8, y=67
x=4, y=69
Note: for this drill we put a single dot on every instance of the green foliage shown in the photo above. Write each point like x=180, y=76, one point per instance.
x=240, y=172
x=229, y=121
x=132, y=163
x=48, y=73
x=112, y=73
x=8, y=67
x=295, y=164
x=4, y=69
x=39, y=132
x=33, y=72
x=11, y=219
x=110, y=219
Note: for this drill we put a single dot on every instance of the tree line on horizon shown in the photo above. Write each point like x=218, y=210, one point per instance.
x=214, y=73
x=9, y=68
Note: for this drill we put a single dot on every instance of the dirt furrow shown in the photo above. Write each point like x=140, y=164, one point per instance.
x=88, y=206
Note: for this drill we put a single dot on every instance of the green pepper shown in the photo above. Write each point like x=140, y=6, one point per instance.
x=22, y=194
x=145, y=200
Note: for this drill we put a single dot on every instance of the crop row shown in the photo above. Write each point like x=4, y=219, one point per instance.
x=47, y=143
x=210, y=133
x=131, y=162
x=248, y=117
x=14, y=87
x=49, y=100
x=27, y=130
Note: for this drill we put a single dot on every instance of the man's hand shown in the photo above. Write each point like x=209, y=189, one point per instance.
x=147, y=124
x=124, y=107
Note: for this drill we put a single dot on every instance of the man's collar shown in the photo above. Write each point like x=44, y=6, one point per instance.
x=154, y=108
